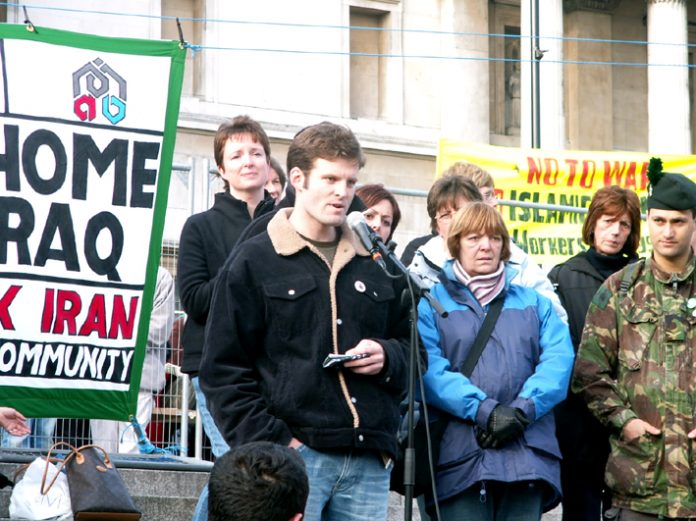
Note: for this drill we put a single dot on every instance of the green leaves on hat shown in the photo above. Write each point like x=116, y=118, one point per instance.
x=655, y=172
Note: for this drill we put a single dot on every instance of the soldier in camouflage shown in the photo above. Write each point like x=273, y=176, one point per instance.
x=636, y=365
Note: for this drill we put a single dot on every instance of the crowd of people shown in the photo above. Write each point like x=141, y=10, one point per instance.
x=580, y=386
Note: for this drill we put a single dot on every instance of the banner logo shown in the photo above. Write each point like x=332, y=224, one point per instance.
x=96, y=84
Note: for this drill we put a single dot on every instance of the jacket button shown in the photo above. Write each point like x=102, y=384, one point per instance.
x=353, y=399
x=291, y=292
x=339, y=321
x=361, y=438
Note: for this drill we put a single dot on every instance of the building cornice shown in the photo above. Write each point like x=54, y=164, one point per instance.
x=603, y=6
x=199, y=116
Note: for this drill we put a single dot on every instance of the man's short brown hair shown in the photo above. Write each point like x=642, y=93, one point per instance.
x=327, y=141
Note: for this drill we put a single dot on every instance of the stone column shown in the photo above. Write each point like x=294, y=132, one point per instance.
x=552, y=121
x=668, y=87
x=589, y=87
x=465, y=106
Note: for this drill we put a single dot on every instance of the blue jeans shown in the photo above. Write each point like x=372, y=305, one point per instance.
x=41, y=436
x=217, y=442
x=496, y=501
x=350, y=486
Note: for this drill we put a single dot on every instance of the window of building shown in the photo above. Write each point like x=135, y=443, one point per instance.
x=504, y=45
x=368, y=73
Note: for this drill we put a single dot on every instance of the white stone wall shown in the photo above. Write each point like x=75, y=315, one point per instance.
x=418, y=98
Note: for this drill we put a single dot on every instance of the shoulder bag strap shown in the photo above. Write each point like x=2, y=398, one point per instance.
x=483, y=335
x=60, y=463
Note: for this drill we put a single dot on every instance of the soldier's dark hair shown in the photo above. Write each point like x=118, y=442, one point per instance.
x=614, y=201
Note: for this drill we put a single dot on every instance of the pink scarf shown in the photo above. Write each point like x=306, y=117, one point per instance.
x=484, y=287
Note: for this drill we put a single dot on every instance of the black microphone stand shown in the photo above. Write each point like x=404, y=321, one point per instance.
x=410, y=453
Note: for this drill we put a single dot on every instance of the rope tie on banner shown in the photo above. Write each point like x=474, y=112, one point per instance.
x=194, y=48
x=30, y=26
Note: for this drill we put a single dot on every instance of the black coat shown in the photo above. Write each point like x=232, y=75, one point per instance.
x=278, y=310
x=207, y=238
x=583, y=440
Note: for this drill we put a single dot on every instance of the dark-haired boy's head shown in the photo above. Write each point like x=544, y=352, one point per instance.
x=258, y=480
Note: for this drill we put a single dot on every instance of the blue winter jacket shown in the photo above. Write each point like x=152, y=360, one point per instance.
x=527, y=363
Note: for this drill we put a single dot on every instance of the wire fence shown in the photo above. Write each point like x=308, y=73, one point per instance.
x=273, y=25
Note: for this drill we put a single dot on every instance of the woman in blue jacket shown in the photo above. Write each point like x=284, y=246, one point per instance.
x=499, y=458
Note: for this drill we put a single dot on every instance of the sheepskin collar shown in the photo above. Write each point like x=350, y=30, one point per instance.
x=286, y=241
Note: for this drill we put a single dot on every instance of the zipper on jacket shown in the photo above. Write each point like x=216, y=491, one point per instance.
x=482, y=492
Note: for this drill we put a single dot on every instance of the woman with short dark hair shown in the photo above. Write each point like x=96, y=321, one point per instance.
x=382, y=213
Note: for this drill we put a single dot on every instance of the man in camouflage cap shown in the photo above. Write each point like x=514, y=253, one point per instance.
x=636, y=365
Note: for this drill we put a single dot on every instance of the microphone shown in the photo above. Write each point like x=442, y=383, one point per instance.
x=368, y=238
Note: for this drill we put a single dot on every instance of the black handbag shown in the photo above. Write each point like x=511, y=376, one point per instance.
x=97, y=491
x=439, y=419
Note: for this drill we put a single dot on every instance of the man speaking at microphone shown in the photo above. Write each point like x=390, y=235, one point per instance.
x=285, y=300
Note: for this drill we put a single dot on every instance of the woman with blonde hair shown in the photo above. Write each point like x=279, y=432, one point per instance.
x=499, y=458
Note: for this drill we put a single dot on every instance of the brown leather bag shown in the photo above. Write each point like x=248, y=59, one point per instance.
x=97, y=491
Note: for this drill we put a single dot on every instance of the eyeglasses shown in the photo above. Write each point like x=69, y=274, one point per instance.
x=489, y=195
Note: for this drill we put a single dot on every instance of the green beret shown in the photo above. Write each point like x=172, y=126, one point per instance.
x=669, y=191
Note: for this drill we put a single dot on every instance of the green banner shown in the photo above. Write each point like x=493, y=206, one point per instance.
x=88, y=131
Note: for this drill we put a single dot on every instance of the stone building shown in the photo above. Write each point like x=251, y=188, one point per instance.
x=402, y=73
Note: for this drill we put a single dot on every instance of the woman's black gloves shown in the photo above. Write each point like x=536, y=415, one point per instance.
x=505, y=424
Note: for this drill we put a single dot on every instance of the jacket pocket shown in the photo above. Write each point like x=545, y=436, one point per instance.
x=368, y=301
x=637, y=332
x=631, y=467
x=291, y=307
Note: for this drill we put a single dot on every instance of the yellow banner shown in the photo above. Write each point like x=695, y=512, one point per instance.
x=552, y=177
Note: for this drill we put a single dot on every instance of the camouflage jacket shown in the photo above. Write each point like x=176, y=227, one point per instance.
x=637, y=359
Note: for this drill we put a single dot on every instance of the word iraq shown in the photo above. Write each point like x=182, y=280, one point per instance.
x=82, y=171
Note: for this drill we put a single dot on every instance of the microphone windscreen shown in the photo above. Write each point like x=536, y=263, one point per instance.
x=354, y=219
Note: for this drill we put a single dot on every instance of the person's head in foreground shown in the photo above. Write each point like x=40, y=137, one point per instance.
x=258, y=481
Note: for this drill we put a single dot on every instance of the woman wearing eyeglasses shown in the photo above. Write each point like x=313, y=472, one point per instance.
x=446, y=196
x=499, y=458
